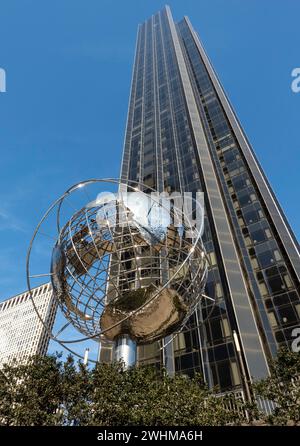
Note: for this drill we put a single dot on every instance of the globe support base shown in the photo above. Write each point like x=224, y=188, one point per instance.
x=125, y=350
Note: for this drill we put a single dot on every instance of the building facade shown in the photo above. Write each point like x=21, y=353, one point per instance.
x=22, y=333
x=183, y=135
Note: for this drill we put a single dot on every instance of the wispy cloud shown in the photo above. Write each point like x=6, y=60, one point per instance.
x=10, y=221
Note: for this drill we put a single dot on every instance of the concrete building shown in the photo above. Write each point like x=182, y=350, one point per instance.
x=22, y=333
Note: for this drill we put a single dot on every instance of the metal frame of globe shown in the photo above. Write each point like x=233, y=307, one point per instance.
x=81, y=317
x=73, y=227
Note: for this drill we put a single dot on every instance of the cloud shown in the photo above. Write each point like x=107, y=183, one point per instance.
x=9, y=221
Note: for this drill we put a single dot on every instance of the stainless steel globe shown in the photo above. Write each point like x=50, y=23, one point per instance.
x=121, y=269
x=114, y=273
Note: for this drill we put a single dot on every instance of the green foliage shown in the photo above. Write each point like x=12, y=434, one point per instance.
x=142, y=396
x=283, y=388
x=48, y=391
x=44, y=391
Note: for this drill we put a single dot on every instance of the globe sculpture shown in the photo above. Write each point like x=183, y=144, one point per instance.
x=122, y=269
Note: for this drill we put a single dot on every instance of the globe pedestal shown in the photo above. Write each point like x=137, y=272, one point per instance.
x=125, y=350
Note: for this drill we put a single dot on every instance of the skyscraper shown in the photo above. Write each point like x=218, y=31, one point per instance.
x=22, y=334
x=183, y=135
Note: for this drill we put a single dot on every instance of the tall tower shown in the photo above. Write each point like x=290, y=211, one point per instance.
x=183, y=135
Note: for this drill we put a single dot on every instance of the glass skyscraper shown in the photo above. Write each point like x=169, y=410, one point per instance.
x=183, y=135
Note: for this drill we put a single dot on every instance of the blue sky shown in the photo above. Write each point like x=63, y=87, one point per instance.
x=68, y=65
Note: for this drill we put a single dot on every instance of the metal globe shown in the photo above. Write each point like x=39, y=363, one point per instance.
x=118, y=268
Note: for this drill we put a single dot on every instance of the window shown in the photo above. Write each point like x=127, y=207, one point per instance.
x=241, y=182
x=287, y=280
x=272, y=319
x=250, y=217
x=212, y=258
x=282, y=299
x=224, y=374
x=287, y=315
x=186, y=361
x=221, y=352
x=235, y=373
x=276, y=284
x=259, y=236
x=263, y=289
x=216, y=330
x=246, y=197
x=218, y=290
x=266, y=259
x=226, y=328
x=279, y=336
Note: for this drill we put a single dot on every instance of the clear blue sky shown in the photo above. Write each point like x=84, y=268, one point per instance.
x=68, y=65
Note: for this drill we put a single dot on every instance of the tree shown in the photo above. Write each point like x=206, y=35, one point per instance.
x=8, y=382
x=144, y=396
x=77, y=388
x=33, y=392
x=49, y=391
x=283, y=389
x=44, y=391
